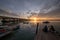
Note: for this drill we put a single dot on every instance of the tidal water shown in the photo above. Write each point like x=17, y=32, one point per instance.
x=27, y=31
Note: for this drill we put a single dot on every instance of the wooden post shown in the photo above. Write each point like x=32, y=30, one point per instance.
x=37, y=28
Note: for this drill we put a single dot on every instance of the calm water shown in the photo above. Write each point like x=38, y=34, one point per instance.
x=32, y=26
x=27, y=31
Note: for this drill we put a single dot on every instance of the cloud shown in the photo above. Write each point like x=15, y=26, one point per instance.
x=20, y=6
x=50, y=5
x=52, y=14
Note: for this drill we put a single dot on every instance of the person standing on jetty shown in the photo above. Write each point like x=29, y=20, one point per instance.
x=45, y=29
x=51, y=29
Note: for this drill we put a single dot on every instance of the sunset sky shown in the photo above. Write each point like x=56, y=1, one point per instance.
x=20, y=7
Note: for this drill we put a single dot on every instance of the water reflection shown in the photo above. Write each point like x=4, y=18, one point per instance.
x=56, y=25
x=27, y=30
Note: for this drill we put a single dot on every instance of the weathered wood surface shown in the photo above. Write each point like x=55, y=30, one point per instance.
x=45, y=36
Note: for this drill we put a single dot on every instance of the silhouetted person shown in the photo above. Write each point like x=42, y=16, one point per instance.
x=45, y=29
x=51, y=29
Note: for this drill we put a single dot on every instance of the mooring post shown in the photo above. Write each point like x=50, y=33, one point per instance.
x=37, y=28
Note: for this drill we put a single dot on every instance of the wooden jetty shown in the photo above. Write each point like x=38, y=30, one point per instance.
x=46, y=36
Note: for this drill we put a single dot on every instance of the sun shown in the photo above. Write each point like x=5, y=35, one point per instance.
x=34, y=19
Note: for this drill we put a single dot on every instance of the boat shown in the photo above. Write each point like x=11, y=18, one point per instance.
x=46, y=22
